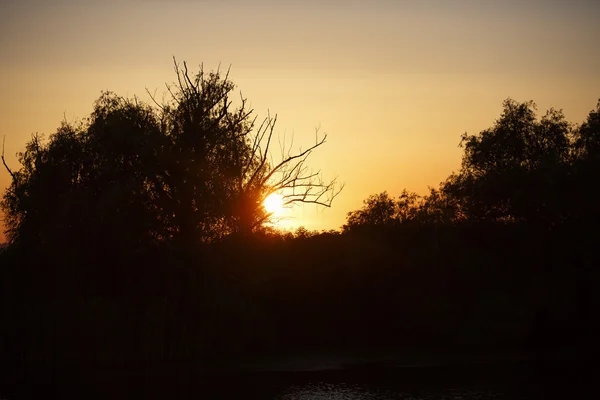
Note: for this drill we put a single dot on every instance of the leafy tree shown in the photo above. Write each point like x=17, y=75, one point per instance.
x=409, y=209
x=407, y=206
x=91, y=182
x=587, y=136
x=586, y=170
x=512, y=170
x=378, y=210
x=192, y=168
x=437, y=208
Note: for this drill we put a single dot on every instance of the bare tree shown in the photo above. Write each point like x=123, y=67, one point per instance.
x=290, y=176
x=235, y=153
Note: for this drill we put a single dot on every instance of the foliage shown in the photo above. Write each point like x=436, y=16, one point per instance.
x=189, y=170
x=522, y=169
x=587, y=137
x=381, y=210
x=513, y=170
x=500, y=257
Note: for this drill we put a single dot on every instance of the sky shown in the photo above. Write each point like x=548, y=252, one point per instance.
x=394, y=84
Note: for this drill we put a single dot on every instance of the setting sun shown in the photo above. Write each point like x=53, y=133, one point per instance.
x=273, y=203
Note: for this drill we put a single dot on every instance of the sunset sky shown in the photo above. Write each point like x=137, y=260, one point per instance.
x=393, y=83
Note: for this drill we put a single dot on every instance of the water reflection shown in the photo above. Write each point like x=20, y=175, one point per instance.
x=342, y=391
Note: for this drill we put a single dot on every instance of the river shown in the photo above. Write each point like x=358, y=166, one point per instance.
x=294, y=380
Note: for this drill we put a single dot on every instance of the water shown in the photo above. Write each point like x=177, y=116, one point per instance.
x=371, y=382
x=503, y=382
x=328, y=391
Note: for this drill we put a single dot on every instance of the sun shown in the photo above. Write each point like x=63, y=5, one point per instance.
x=273, y=203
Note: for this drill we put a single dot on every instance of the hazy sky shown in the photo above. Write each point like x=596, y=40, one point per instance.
x=393, y=83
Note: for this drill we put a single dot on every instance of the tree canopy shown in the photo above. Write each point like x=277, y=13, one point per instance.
x=107, y=272
x=192, y=168
x=522, y=169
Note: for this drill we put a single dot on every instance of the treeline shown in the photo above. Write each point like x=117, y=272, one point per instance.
x=522, y=170
x=511, y=236
x=137, y=239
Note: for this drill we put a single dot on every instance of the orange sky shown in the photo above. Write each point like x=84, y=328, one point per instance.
x=393, y=83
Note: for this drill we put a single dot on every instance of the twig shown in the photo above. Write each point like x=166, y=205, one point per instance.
x=4, y=161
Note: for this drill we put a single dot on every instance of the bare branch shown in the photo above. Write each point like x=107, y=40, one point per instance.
x=263, y=156
x=292, y=158
x=162, y=107
x=4, y=162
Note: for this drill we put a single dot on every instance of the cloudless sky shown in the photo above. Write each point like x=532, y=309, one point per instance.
x=393, y=83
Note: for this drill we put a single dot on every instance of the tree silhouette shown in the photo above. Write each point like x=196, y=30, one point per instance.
x=93, y=184
x=222, y=164
x=587, y=137
x=500, y=257
x=192, y=168
x=522, y=169
x=586, y=170
x=378, y=210
x=513, y=170
x=381, y=210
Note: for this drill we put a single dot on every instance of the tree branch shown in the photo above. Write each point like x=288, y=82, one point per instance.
x=4, y=162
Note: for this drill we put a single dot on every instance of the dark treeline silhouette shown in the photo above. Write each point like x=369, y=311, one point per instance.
x=138, y=240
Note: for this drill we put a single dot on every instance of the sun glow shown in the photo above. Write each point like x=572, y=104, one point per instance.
x=273, y=203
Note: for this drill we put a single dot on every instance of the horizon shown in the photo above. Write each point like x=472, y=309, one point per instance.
x=393, y=84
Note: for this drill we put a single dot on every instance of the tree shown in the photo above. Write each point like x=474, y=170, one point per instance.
x=381, y=210
x=191, y=169
x=221, y=161
x=378, y=210
x=93, y=184
x=513, y=170
x=437, y=208
x=408, y=206
x=583, y=192
x=587, y=136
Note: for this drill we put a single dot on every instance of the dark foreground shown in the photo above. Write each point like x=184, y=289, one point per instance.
x=499, y=379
